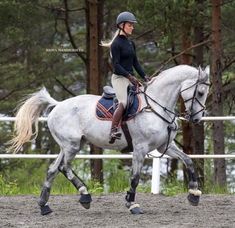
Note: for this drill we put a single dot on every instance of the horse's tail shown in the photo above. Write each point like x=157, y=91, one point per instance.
x=26, y=123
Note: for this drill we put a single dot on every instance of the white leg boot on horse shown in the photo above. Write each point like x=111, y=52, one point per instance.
x=117, y=116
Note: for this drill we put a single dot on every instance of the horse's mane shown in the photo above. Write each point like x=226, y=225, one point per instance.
x=173, y=70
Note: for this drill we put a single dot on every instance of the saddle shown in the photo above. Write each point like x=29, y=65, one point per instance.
x=108, y=103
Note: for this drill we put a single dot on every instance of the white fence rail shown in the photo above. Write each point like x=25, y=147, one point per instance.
x=155, y=185
x=205, y=118
x=107, y=156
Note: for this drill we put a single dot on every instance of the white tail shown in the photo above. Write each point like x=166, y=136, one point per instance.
x=27, y=116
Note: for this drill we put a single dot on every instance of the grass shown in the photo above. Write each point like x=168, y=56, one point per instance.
x=171, y=187
x=28, y=178
x=118, y=184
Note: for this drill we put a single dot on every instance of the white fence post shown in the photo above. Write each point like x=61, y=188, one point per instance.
x=155, y=186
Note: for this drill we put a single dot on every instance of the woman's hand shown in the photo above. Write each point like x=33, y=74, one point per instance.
x=133, y=80
x=147, y=78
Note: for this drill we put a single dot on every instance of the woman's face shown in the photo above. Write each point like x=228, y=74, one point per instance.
x=128, y=28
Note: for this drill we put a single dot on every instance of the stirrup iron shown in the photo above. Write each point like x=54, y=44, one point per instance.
x=114, y=136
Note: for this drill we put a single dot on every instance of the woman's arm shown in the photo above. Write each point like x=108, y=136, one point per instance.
x=137, y=65
x=118, y=69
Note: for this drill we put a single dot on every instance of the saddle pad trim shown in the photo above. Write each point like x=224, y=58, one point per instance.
x=109, y=117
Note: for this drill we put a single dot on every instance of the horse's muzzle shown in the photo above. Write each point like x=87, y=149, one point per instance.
x=191, y=118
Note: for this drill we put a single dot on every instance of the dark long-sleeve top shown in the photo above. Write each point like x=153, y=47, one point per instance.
x=124, y=57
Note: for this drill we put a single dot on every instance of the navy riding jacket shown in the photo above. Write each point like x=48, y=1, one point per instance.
x=124, y=57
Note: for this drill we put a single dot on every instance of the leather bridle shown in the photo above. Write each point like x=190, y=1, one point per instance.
x=189, y=114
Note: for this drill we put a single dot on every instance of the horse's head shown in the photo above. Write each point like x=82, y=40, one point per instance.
x=194, y=93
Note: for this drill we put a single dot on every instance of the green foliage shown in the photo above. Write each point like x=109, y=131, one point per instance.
x=117, y=177
x=171, y=187
x=25, y=175
x=61, y=186
x=144, y=187
x=95, y=187
x=8, y=188
x=28, y=175
x=210, y=186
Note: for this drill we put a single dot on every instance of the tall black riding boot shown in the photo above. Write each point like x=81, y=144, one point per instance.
x=117, y=116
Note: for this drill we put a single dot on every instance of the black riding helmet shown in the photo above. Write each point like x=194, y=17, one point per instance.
x=125, y=17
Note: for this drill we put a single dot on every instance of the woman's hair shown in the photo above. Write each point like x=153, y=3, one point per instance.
x=108, y=43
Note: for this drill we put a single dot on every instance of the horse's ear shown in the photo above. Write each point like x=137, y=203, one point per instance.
x=200, y=72
x=207, y=70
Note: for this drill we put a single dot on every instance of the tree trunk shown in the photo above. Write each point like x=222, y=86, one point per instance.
x=217, y=99
x=94, y=12
x=186, y=59
x=198, y=130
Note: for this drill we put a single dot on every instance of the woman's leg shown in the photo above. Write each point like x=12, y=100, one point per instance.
x=120, y=85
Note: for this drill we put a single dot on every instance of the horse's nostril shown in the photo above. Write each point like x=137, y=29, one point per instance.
x=196, y=121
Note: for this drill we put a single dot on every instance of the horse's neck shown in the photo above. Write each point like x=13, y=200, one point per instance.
x=165, y=88
x=165, y=92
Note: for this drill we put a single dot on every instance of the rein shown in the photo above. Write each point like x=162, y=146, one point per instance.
x=149, y=107
x=169, y=129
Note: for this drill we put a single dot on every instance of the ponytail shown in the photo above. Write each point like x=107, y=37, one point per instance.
x=108, y=43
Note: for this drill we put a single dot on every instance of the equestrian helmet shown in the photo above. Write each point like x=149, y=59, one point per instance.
x=125, y=17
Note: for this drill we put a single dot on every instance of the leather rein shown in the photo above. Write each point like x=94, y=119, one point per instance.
x=175, y=114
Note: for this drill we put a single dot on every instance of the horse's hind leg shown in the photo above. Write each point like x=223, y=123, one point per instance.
x=65, y=168
x=45, y=193
x=194, y=192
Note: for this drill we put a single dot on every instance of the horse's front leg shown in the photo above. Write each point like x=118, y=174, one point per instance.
x=137, y=164
x=194, y=192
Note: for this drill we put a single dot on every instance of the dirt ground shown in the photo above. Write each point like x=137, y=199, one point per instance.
x=110, y=211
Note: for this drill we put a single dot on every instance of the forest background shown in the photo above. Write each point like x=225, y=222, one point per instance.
x=55, y=43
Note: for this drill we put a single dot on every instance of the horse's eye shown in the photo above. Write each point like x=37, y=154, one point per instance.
x=200, y=93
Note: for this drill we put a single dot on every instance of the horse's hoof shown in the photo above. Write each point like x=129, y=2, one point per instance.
x=193, y=200
x=45, y=210
x=135, y=209
x=85, y=200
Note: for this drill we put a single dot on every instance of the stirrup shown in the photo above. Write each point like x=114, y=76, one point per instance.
x=114, y=136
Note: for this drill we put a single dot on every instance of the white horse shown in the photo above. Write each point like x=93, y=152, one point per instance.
x=73, y=121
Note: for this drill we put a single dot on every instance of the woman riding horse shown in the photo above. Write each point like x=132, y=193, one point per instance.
x=124, y=58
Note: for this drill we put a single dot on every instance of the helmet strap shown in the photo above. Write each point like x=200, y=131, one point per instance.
x=122, y=28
